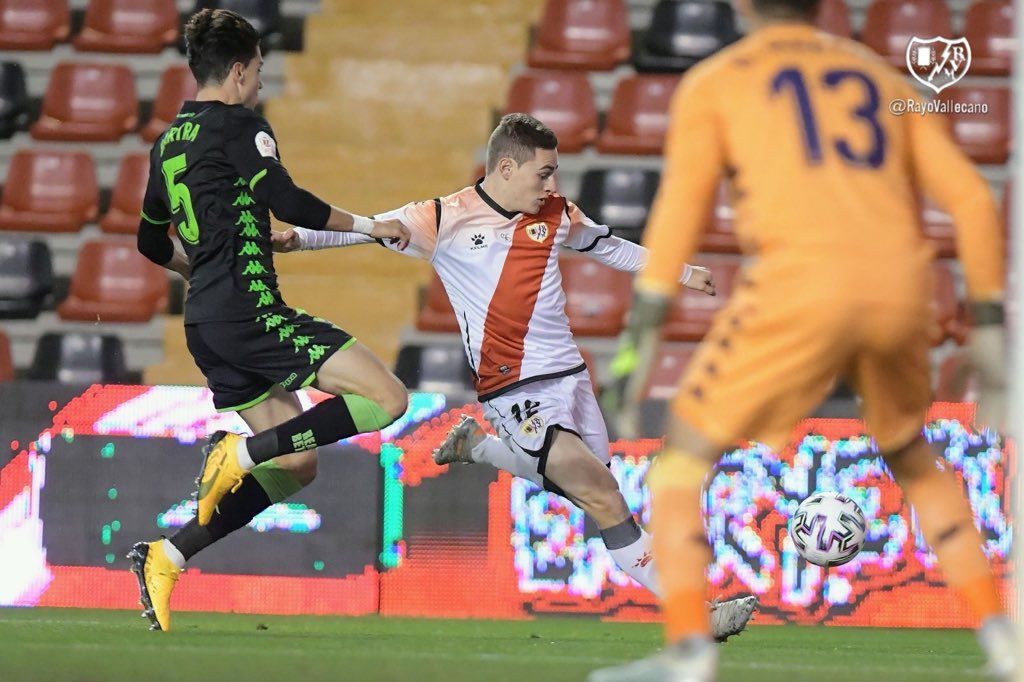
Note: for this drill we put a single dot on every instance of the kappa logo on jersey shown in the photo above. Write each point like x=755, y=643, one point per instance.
x=538, y=232
x=938, y=62
x=265, y=145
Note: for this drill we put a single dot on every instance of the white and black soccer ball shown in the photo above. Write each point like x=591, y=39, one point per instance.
x=828, y=529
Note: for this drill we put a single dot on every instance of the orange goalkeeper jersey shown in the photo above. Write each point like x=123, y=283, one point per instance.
x=800, y=122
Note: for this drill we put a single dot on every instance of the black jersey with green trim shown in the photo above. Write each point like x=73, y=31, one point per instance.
x=204, y=178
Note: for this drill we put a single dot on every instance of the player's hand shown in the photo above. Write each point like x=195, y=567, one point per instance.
x=701, y=280
x=986, y=355
x=285, y=242
x=392, y=230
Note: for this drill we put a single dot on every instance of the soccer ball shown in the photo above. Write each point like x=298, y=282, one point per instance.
x=828, y=529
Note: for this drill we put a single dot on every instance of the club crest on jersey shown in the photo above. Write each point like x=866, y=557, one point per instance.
x=938, y=62
x=538, y=232
x=532, y=426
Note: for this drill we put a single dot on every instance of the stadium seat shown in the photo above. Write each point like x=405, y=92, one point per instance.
x=49, y=191
x=669, y=366
x=562, y=100
x=137, y=26
x=889, y=26
x=113, y=282
x=619, y=198
x=938, y=229
x=720, y=237
x=983, y=137
x=78, y=358
x=27, y=277
x=176, y=85
x=88, y=103
x=949, y=313
x=126, y=200
x=437, y=369
x=988, y=27
x=264, y=15
x=6, y=364
x=834, y=17
x=690, y=316
x=13, y=99
x=682, y=32
x=33, y=24
x=436, y=313
x=582, y=34
x=597, y=297
x=638, y=117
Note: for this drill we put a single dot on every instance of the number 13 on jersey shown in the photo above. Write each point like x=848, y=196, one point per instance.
x=180, y=198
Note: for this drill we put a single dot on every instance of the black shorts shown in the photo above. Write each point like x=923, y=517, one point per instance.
x=242, y=361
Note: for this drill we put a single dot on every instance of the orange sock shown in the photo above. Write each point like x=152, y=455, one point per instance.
x=948, y=526
x=679, y=543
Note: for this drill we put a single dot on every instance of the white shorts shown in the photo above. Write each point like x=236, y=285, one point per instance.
x=526, y=418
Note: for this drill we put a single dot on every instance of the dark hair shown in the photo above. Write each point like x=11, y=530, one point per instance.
x=518, y=136
x=806, y=9
x=216, y=39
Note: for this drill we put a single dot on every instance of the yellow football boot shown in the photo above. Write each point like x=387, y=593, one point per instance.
x=157, y=576
x=220, y=475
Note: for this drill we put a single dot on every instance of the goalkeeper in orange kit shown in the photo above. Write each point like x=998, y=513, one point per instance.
x=838, y=287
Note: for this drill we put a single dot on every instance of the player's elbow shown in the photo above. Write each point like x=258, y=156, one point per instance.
x=154, y=244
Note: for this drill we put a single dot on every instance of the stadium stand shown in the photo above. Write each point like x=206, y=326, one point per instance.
x=49, y=191
x=596, y=296
x=437, y=367
x=564, y=100
x=834, y=17
x=671, y=361
x=176, y=86
x=6, y=364
x=14, y=101
x=689, y=318
x=988, y=27
x=682, y=32
x=581, y=34
x=33, y=24
x=638, y=117
x=126, y=200
x=619, y=197
x=87, y=102
x=143, y=26
x=27, y=277
x=78, y=358
x=113, y=282
x=436, y=313
x=985, y=137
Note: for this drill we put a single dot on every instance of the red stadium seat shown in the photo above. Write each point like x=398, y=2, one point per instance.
x=983, y=137
x=436, y=314
x=582, y=34
x=88, y=103
x=176, y=86
x=938, y=229
x=988, y=27
x=890, y=24
x=113, y=282
x=6, y=365
x=563, y=101
x=949, y=314
x=720, y=236
x=834, y=17
x=49, y=191
x=138, y=26
x=638, y=117
x=669, y=366
x=692, y=311
x=597, y=297
x=33, y=24
x=126, y=200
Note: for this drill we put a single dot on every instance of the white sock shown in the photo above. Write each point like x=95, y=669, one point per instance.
x=500, y=456
x=635, y=558
x=176, y=557
x=244, y=460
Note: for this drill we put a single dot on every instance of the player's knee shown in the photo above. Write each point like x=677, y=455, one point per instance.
x=601, y=499
x=394, y=399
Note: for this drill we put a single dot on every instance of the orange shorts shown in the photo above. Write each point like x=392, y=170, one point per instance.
x=776, y=351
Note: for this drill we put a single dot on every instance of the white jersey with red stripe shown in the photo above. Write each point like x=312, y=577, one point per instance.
x=501, y=273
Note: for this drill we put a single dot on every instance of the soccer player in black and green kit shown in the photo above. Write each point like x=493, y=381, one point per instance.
x=215, y=176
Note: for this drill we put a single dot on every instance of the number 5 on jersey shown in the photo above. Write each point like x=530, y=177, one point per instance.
x=180, y=198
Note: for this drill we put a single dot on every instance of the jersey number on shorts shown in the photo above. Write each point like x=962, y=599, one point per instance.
x=181, y=198
x=866, y=113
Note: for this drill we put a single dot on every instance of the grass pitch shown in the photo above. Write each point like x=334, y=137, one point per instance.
x=61, y=645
